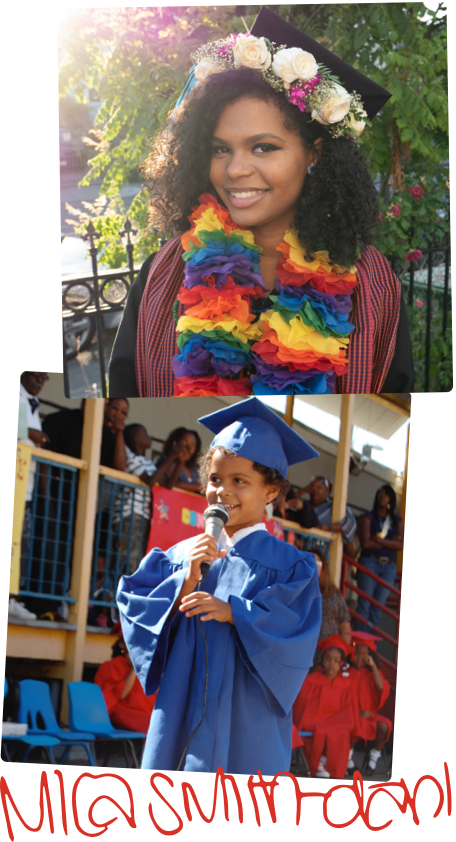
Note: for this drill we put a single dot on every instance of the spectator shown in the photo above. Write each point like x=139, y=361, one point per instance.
x=298, y=511
x=327, y=705
x=127, y=704
x=373, y=691
x=335, y=618
x=138, y=507
x=382, y=535
x=30, y=386
x=319, y=490
x=64, y=428
x=187, y=476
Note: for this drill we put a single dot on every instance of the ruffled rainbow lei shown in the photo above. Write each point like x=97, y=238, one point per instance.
x=297, y=346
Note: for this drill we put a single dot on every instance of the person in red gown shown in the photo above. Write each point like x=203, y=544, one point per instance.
x=127, y=704
x=327, y=705
x=373, y=690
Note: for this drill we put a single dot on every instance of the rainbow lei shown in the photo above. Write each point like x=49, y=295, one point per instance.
x=296, y=346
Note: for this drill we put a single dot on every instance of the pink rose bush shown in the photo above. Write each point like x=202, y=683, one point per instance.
x=413, y=255
x=416, y=192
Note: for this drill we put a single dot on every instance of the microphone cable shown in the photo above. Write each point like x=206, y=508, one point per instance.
x=215, y=518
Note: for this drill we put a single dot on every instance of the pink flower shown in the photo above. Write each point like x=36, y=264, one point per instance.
x=419, y=302
x=415, y=192
x=297, y=97
x=413, y=255
x=396, y=209
x=381, y=216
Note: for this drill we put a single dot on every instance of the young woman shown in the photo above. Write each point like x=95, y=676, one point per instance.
x=190, y=442
x=270, y=284
x=228, y=658
x=381, y=535
x=327, y=705
x=373, y=691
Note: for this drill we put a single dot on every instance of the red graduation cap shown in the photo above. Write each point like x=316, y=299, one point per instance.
x=365, y=638
x=271, y=26
x=117, y=629
x=335, y=641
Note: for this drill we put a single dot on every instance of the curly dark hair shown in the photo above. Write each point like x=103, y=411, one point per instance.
x=270, y=475
x=338, y=208
x=176, y=436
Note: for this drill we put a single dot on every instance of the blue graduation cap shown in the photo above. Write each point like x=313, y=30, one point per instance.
x=252, y=430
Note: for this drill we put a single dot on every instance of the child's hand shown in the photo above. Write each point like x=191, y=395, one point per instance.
x=209, y=606
x=369, y=661
x=365, y=714
x=204, y=549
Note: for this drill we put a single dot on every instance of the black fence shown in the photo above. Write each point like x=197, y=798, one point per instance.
x=86, y=298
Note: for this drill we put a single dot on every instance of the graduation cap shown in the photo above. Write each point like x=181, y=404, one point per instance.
x=274, y=28
x=365, y=639
x=335, y=641
x=252, y=430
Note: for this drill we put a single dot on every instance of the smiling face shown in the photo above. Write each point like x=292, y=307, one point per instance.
x=258, y=166
x=332, y=661
x=318, y=492
x=116, y=409
x=190, y=443
x=235, y=484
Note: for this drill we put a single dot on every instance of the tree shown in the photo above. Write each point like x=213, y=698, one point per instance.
x=134, y=61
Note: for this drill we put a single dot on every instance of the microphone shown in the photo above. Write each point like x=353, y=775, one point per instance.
x=215, y=518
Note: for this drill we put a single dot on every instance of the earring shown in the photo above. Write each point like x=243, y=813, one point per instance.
x=311, y=168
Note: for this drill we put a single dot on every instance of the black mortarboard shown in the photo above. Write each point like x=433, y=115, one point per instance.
x=271, y=26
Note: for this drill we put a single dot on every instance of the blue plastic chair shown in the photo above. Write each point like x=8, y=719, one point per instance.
x=88, y=711
x=46, y=744
x=35, y=708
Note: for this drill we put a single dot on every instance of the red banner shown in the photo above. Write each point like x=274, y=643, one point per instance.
x=177, y=515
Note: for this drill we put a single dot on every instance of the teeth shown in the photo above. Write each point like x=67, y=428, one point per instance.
x=247, y=194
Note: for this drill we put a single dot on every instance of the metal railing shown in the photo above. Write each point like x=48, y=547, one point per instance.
x=121, y=533
x=346, y=585
x=429, y=277
x=103, y=291
x=48, y=534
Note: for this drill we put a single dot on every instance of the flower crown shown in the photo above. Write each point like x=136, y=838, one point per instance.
x=293, y=71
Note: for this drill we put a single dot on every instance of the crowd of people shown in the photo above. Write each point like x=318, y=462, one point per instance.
x=340, y=698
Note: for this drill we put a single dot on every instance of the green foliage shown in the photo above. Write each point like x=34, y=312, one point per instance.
x=133, y=63
x=441, y=349
x=410, y=222
x=108, y=218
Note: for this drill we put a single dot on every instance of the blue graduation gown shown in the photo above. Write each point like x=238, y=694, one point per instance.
x=256, y=666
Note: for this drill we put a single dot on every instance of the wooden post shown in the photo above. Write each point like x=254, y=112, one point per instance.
x=341, y=481
x=83, y=542
x=404, y=497
x=288, y=417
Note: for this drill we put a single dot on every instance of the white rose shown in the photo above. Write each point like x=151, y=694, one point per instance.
x=251, y=52
x=294, y=63
x=206, y=68
x=357, y=126
x=334, y=107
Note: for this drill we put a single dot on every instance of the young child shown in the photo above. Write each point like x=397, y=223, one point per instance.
x=327, y=706
x=260, y=609
x=373, y=690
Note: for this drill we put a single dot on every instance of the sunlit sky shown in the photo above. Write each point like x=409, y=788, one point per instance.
x=393, y=453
